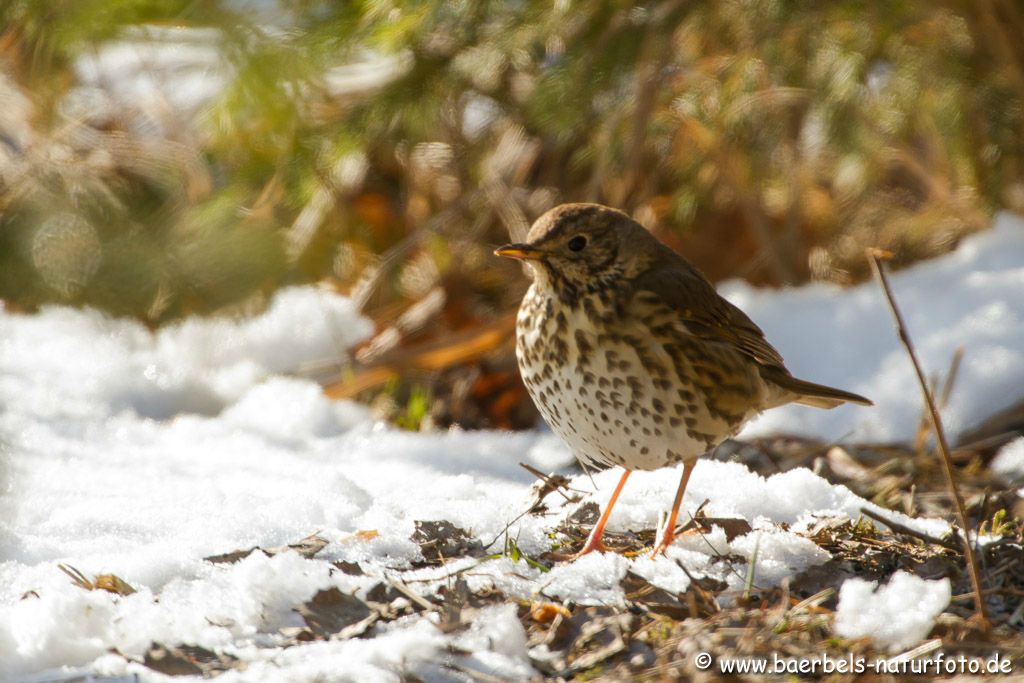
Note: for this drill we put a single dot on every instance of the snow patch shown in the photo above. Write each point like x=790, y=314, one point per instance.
x=895, y=616
x=139, y=453
x=845, y=338
x=1009, y=461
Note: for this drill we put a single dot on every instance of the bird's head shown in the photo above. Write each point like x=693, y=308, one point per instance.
x=583, y=247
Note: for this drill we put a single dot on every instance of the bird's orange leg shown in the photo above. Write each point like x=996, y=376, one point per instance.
x=594, y=541
x=669, y=533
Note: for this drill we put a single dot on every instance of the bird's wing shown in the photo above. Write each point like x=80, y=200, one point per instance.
x=705, y=312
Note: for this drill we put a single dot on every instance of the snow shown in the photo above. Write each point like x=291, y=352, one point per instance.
x=970, y=297
x=1009, y=461
x=155, y=70
x=137, y=453
x=895, y=616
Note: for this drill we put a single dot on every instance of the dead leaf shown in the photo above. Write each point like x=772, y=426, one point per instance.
x=361, y=535
x=104, y=582
x=186, y=660
x=307, y=547
x=545, y=612
x=332, y=614
x=233, y=556
x=600, y=637
x=350, y=568
x=585, y=515
x=545, y=485
x=454, y=599
x=658, y=600
x=443, y=540
x=733, y=527
x=112, y=584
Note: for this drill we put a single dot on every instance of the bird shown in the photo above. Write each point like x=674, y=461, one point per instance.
x=631, y=355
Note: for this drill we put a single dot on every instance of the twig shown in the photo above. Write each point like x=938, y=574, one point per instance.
x=552, y=482
x=718, y=553
x=947, y=390
x=412, y=595
x=751, y=568
x=875, y=256
x=694, y=522
x=907, y=531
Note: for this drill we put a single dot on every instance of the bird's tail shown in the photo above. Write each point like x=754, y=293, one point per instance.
x=816, y=395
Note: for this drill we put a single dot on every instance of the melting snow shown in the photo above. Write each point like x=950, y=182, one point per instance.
x=138, y=454
x=896, y=615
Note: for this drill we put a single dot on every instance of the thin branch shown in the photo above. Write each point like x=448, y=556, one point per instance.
x=875, y=257
x=907, y=531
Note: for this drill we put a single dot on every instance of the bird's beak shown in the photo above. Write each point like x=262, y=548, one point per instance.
x=523, y=252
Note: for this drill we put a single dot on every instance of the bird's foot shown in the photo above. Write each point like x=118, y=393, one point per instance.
x=593, y=543
x=590, y=547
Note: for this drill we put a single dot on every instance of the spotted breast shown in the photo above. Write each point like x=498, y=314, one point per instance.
x=612, y=385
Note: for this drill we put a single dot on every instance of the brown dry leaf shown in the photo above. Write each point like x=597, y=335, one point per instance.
x=233, y=556
x=545, y=612
x=104, y=582
x=658, y=600
x=585, y=515
x=441, y=540
x=332, y=614
x=361, y=535
x=186, y=660
x=350, y=568
x=454, y=599
x=733, y=527
x=307, y=547
x=392, y=603
x=591, y=636
x=545, y=485
x=112, y=584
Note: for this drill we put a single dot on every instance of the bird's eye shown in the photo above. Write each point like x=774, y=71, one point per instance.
x=577, y=243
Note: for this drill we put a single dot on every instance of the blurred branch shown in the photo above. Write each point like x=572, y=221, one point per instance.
x=455, y=349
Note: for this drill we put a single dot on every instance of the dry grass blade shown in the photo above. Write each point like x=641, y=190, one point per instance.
x=875, y=256
x=77, y=577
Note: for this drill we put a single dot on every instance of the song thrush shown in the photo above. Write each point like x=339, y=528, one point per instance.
x=632, y=356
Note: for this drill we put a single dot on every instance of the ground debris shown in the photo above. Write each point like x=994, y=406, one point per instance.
x=333, y=615
x=187, y=660
x=349, y=568
x=545, y=485
x=454, y=599
x=584, y=640
x=101, y=582
x=307, y=547
x=441, y=540
x=576, y=527
x=655, y=634
x=643, y=593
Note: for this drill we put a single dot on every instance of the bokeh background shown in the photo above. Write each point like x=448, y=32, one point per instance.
x=167, y=158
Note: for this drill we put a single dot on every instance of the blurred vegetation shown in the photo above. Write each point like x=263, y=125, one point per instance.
x=160, y=158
